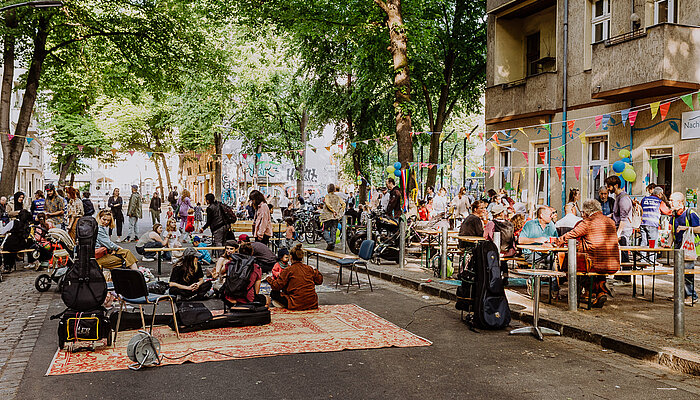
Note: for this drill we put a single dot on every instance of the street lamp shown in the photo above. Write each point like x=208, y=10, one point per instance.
x=34, y=4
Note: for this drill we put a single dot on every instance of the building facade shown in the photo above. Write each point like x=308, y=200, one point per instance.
x=621, y=58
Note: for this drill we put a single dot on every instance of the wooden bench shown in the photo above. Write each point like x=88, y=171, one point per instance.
x=245, y=226
x=631, y=273
x=2, y=269
x=341, y=259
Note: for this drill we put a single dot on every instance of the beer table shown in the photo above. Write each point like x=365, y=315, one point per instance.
x=536, y=330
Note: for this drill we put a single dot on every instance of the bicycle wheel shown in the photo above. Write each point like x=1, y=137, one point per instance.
x=299, y=230
x=310, y=232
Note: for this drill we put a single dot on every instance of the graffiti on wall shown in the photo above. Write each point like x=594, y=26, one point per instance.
x=310, y=175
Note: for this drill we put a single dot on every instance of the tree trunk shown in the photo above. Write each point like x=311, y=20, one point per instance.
x=301, y=168
x=402, y=79
x=218, y=147
x=167, y=172
x=63, y=171
x=72, y=179
x=154, y=160
x=7, y=185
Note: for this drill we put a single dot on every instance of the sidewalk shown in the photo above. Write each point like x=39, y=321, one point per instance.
x=632, y=326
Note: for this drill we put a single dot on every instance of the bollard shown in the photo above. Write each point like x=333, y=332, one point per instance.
x=402, y=242
x=678, y=293
x=573, y=286
x=443, y=253
x=369, y=228
x=344, y=233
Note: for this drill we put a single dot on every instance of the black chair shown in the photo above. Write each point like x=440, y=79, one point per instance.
x=366, y=252
x=131, y=288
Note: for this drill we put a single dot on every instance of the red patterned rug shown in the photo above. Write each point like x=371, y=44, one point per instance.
x=330, y=328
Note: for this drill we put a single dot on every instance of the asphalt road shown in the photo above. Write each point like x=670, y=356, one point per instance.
x=459, y=364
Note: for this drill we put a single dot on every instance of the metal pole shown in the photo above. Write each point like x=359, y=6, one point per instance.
x=369, y=228
x=443, y=253
x=344, y=233
x=573, y=292
x=678, y=293
x=464, y=164
x=564, y=103
x=402, y=242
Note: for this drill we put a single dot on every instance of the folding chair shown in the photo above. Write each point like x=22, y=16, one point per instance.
x=365, y=254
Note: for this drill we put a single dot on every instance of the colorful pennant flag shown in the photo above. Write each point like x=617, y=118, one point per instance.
x=538, y=170
x=596, y=171
x=558, y=172
x=114, y=152
x=548, y=127
x=328, y=148
x=633, y=117
x=582, y=136
x=527, y=158
x=522, y=131
x=29, y=140
x=543, y=156
x=664, y=109
x=149, y=154
x=654, y=108
x=522, y=171
x=495, y=137
x=654, y=163
x=684, y=160
x=625, y=114
x=577, y=172
x=10, y=136
x=606, y=119
x=131, y=152
x=80, y=147
x=562, y=150
x=353, y=144
x=228, y=155
x=570, y=125
x=481, y=135
x=598, y=119
x=688, y=100
x=245, y=156
x=493, y=171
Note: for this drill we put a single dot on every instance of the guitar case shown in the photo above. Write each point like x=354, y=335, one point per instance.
x=84, y=287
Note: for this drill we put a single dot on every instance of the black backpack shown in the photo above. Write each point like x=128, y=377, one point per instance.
x=481, y=294
x=228, y=214
x=84, y=287
x=238, y=272
x=88, y=207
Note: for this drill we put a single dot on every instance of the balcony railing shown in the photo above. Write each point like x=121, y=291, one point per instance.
x=625, y=37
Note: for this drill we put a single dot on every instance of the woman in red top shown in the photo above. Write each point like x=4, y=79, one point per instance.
x=296, y=284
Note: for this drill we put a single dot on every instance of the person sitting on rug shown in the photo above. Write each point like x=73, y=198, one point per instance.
x=230, y=248
x=187, y=279
x=204, y=255
x=282, y=264
x=263, y=255
x=253, y=294
x=295, y=288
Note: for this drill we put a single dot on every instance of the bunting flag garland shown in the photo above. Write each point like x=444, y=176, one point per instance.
x=606, y=119
x=527, y=159
x=10, y=136
x=131, y=152
x=548, y=127
x=114, y=152
x=495, y=138
x=328, y=148
x=598, y=119
x=543, y=156
x=245, y=156
x=596, y=171
x=353, y=144
x=582, y=136
x=688, y=100
x=80, y=147
x=523, y=170
x=149, y=154
x=562, y=150
x=558, y=172
x=570, y=125
x=625, y=114
x=258, y=155
x=314, y=149
x=684, y=160
x=654, y=163
x=493, y=171
x=633, y=117
x=229, y=156
x=538, y=170
x=577, y=172
x=340, y=146
x=664, y=109
x=654, y=108
x=481, y=135
x=29, y=140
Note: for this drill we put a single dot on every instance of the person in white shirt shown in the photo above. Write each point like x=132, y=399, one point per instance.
x=384, y=200
x=569, y=221
x=440, y=203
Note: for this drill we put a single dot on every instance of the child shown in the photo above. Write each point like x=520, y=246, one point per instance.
x=282, y=262
x=169, y=213
x=189, y=225
x=289, y=233
x=203, y=254
x=423, y=214
x=197, y=216
x=172, y=235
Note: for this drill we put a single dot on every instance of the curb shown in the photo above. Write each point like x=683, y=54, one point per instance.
x=646, y=353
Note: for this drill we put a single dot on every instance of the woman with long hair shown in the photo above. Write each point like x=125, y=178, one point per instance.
x=574, y=198
x=187, y=277
x=74, y=211
x=262, y=224
x=115, y=204
x=295, y=287
x=18, y=238
x=115, y=255
x=183, y=207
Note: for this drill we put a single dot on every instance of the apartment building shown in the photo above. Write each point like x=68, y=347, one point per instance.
x=621, y=55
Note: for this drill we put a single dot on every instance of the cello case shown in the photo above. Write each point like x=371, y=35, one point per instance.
x=84, y=287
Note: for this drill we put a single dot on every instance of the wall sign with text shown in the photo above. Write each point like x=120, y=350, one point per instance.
x=690, y=125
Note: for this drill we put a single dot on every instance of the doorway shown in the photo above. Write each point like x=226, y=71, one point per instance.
x=663, y=175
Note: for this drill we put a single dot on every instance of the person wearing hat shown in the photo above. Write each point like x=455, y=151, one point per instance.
x=263, y=255
x=134, y=213
x=187, y=278
x=204, y=255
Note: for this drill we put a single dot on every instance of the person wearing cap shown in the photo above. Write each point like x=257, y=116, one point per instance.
x=53, y=205
x=134, y=213
x=500, y=223
x=204, y=255
x=263, y=255
x=187, y=278
x=684, y=219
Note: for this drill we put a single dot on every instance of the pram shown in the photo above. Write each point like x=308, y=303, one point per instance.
x=62, y=259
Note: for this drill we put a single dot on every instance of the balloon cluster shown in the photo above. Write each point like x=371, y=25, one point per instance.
x=624, y=167
x=394, y=169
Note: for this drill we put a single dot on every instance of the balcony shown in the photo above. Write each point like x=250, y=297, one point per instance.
x=664, y=61
x=532, y=96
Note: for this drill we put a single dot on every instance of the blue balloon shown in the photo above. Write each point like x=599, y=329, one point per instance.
x=627, y=160
x=397, y=165
x=473, y=173
x=619, y=166
x=397, y=172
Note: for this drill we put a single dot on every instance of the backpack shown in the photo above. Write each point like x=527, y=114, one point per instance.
x=481, y=294
x=228, y=214
x=238, y=272
x=84, y=288
x=88, y=208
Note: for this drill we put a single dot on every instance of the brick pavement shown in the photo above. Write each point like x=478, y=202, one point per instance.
x=22, y=314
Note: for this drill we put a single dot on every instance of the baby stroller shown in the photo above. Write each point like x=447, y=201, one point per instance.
x=61, y=260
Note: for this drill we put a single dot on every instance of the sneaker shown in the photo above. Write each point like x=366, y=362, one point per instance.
x=599, y=301
x=124, y=240
x=147, y=259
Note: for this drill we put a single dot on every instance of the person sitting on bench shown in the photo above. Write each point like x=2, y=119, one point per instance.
x=152, y=240
x=115, y=255
x=187, y=279
x=18, y=238
x=295, y=288
x=264, y=257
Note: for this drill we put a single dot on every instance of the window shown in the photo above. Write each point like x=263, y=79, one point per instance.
x=541, y=179
x=597, y=163
x=601, y=20
x=532, y=53
x=665, y=11
x=505, y=168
